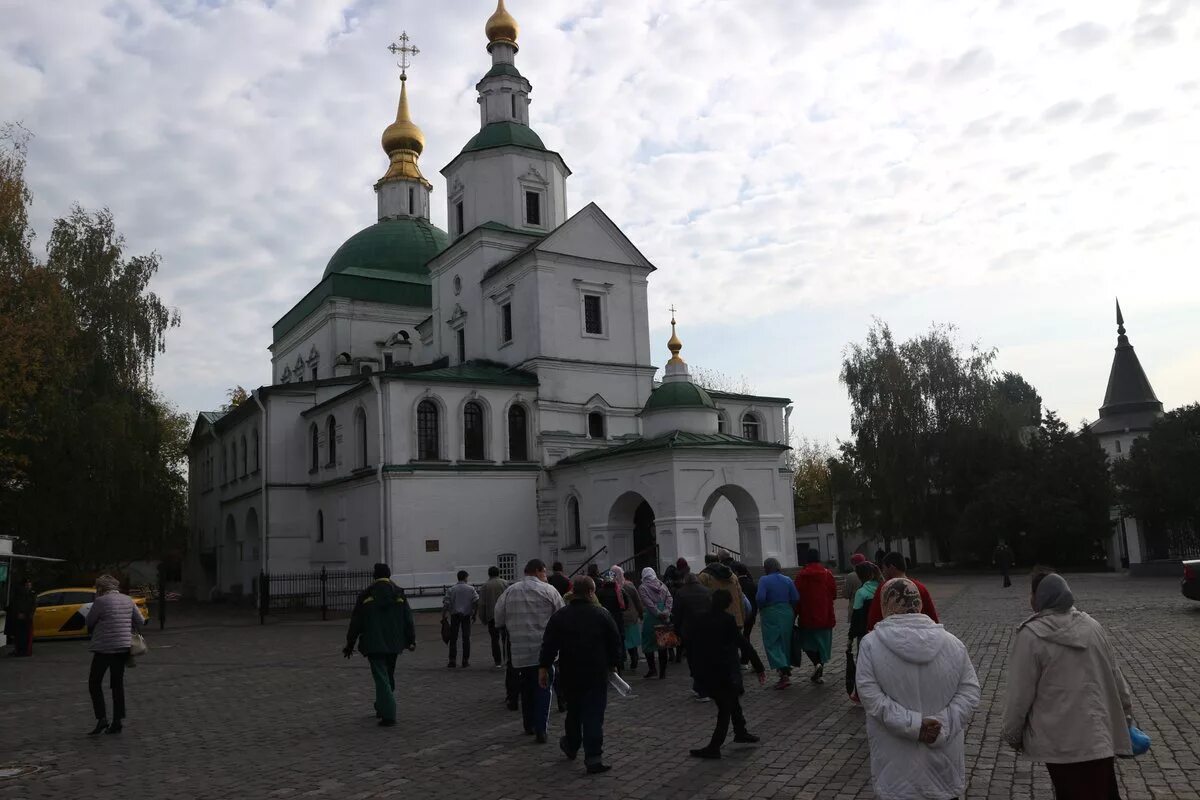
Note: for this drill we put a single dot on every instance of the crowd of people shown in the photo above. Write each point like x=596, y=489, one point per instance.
x=568, y=639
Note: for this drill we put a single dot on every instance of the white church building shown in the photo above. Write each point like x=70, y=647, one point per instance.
x=456, y=400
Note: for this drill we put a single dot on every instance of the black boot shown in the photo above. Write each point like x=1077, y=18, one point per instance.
x=633, y=659
x=101, y=727
x=662, y=666
x=651, y=671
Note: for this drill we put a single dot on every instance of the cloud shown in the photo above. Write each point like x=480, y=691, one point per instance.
x=813, y=160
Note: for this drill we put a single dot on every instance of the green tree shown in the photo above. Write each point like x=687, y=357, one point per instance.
x=1157, y=482
x=234, y=397
x=812, y=489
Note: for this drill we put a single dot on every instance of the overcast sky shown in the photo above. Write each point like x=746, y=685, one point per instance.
x=792, y=168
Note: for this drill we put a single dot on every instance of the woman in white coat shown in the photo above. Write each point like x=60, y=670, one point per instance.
x=919, y=689
x=1067, y=702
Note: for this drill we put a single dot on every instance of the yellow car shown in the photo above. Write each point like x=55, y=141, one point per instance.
x=62, y=613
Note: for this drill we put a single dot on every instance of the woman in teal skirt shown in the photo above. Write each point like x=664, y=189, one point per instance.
x=656, y=605
x=776, y=599
x=815, y=617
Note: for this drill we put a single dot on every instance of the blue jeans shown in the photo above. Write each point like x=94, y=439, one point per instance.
x=585, y=721
x=535, y=701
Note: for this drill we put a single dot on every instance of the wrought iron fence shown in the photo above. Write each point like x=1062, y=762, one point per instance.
x=326, y=591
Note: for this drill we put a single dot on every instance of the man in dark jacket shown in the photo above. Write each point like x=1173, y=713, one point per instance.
x=1002, y=557
x=584, y=639
x=558, y=580
x=19, y=622
x=692, y=601
x=749, y=588
x=713, y=648
x=382, y=627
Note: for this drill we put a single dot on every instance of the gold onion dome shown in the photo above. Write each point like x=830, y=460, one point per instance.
x=501, y=27
x=674, y=344
x=403, y=142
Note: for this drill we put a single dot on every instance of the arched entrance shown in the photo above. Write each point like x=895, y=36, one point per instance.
x=632, y=541
x=731, y=521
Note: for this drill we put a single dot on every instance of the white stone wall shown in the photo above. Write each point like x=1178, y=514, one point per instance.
x=491, y=185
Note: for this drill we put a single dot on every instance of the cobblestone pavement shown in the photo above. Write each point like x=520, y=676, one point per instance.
x=242, y=711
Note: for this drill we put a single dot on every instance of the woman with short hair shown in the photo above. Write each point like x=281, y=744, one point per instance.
x=1068, y=703
x=111, y=622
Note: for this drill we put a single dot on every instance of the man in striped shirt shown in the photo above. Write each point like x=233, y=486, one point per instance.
x=523, y=610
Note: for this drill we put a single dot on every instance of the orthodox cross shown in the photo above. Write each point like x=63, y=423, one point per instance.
x=405, y=51
x=672, y=312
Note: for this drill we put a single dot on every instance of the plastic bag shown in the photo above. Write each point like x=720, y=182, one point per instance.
x=1140, y=740
x=618, y=683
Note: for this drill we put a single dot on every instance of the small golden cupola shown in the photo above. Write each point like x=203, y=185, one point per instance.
x=403, y=143
x=501, y=28
x=673, y=344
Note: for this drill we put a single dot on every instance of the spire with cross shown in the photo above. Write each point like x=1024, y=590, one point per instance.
x=405, y=52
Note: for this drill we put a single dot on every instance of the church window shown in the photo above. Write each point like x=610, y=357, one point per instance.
x=473, y=438
x=461, y=344
x=518, y=435
x=750, y=427
x=360, y=436
x=533, y=208
x=507, y=563
x=513, y=98
x=244, y=461
x=388, y=360
x=457, y=284
x=458, y=218
x=574, y=539
x=411, y=202
x=722, y=422
x=364, y=546
x=331, y=436
x=596, y=425
x=314, y=373
x=592, y=322
x=314, y=446
x=320, y=526
x=506, y=328
x=254, y=441
x=427, y=431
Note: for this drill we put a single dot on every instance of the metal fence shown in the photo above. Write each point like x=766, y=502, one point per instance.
x=326, y=591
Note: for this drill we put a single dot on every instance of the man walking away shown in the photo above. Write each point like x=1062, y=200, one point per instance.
x=524, y=609
x=558, y=580
x=716, y=639
x=460, y=603
x=382, y=627
x=750, y=592
x=584, y=639
x=1002, y=557
x=488, y=596
x=19, y=622
x=692, y=601
x=894, y=566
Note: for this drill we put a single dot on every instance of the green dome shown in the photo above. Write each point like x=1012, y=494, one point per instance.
x=499, y=134
x=678, y=394
x=400, y=246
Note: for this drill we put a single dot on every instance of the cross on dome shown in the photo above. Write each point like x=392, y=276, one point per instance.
x=405, y=50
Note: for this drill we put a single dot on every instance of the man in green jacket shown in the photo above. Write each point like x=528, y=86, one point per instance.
x=382, y=627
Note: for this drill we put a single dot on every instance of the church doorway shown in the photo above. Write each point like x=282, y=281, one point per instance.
x=731, y=522
x=632, y=540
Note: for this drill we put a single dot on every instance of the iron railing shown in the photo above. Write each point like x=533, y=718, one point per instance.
x=326, y=591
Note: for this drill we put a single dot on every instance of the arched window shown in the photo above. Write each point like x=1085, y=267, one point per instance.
x=314, y=445
x=320, y=526
x=331, y=436
x=244, y=461
x=473, y=439
x=360, y=436
x=574, y=537
x=518, y=434
x=596, y=425
x=750, y=427
x=722, y=422
x=427, y=431
x=254, y=442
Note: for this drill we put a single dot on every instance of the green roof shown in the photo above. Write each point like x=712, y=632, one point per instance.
x=401, y=245
x=503, y=69
x=378, y=287
x=479, y=371
x=499, y=134
x=678, y=394
x=675, y=440
x=752, y=398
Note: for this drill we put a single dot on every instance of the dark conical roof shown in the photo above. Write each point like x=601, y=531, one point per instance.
x=1129, y=394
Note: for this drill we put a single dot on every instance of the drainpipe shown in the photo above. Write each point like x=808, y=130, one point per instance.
x=787, y=426
x=263, y=464
x=384, y=555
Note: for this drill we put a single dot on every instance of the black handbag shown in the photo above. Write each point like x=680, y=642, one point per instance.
x=445, y=631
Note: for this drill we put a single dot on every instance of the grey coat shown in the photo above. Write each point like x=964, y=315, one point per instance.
x=112, y=621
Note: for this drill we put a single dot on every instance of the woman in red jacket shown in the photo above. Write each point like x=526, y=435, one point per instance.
x=815, y=617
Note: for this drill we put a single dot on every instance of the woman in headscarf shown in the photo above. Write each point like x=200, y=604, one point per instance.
x=632, y=609
x=869, y=579
x=919, y=690
x=656, y=604
x=776, y=598
x=815, y=617
x=1068, y=703
x=612, y=599
x=111, y=622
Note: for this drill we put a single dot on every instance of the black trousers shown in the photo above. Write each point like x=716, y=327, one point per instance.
x=585, y=721
x=1007, y=580
x=21, y=631
x=747, y=629
x=512, y=680
x=114, y=664
x=729, y=708
x=494, y=635
x=1093, y=780
x=460, y=622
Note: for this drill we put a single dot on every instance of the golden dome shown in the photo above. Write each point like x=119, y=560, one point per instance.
x=674, y=344
x=403, y=142
x=501, y=27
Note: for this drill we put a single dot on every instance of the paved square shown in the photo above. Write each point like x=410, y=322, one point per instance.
x=223, y=708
